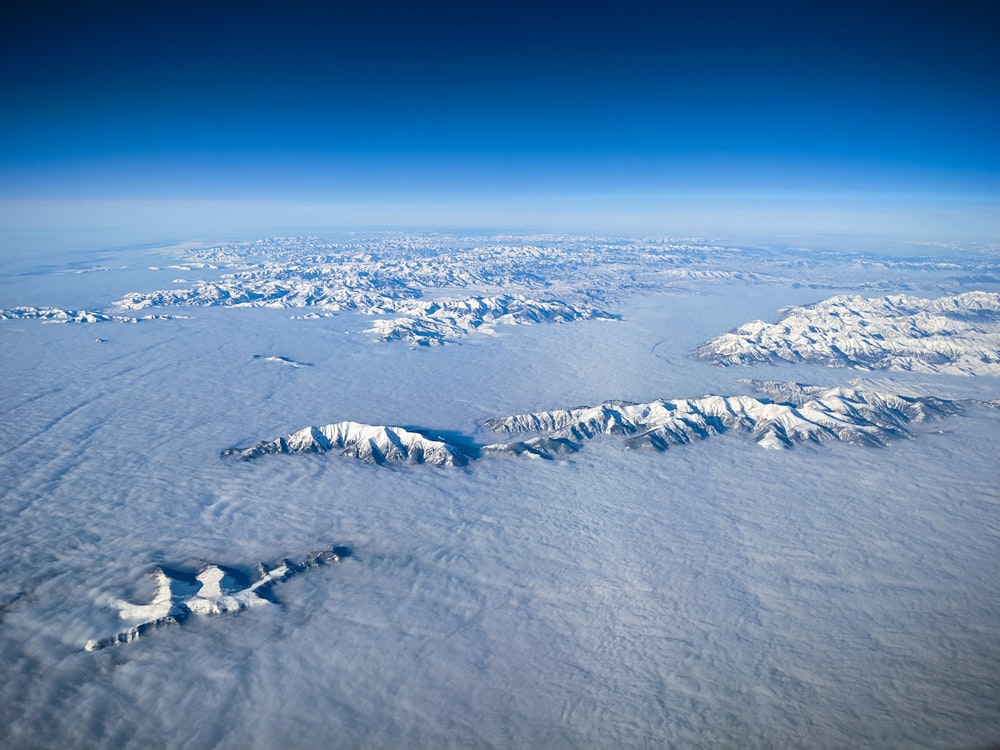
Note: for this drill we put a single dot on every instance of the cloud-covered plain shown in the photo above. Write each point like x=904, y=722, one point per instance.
x=714, y=594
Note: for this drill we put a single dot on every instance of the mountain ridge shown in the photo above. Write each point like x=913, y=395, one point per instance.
x=954, y=334
x=432, y=323
x=782, y=415
x=808, y=413
x=213, y=590
x=375, y=444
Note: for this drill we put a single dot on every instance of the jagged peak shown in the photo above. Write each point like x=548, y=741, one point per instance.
x=800, y=413
x=781, y=414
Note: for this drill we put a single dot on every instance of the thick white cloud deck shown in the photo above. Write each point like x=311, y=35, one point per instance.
x=715, y=594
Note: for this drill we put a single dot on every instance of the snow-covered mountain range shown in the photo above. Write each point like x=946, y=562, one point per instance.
x=375, y=444
x=430, y=289
x=782, y=415
x=957, y=334
x=376, y=275
x=213, y=590
x=433, y=323
x=789, y=413
x=59, y=315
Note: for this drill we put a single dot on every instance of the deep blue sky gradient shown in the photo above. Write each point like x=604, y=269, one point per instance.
x=450, y=103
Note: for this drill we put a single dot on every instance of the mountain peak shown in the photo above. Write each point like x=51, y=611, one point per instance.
x=375, y=444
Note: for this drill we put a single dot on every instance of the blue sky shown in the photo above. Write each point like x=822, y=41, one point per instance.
x=458, y=112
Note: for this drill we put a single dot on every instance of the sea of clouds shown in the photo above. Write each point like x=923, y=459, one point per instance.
x=716, y=595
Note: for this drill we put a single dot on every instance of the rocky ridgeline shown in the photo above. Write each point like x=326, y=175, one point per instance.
x=782, y=415
x=374, y=444
x=437, y=322
x=802, y=414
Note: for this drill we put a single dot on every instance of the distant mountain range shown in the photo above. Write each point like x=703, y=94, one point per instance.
x=433, y=289
x=957, y=335
x=431, y=323
x=58, y=315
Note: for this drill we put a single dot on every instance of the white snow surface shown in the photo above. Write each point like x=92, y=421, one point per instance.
x=713, y=595
x=58, y=315
x=805, y=413
x=955, y=334
x=374, y=444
